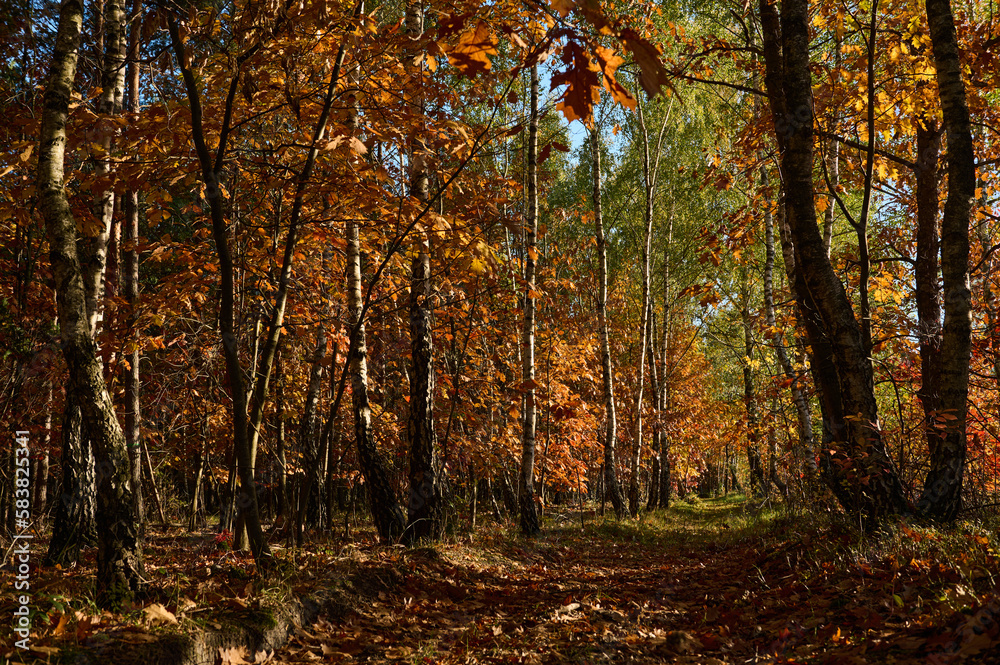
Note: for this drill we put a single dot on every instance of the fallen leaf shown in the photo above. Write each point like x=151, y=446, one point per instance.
x=157, y=614
x=233, y=656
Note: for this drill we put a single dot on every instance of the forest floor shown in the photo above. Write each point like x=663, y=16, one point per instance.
x=718, y=581
x=710, y=581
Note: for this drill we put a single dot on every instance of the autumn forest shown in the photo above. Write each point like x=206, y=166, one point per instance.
x=406, y=311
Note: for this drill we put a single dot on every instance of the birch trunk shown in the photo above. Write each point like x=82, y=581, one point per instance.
x=119, y=561
x=612, y=488
x=529, y=516
x=425, y=519
x=386, y=513
x=841, y=366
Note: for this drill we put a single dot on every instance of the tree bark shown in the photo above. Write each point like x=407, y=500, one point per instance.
x=803, y=413
x=862, y=474
x=650, y=167
x=927, y=291
x=132, y=414
x=529, y=516
x=247, y=499
x=74, y=524
x=386, y=513
x=941, y=498
x=757, y=482
x=308, y=437
x=663, y=394
x=612, y=488
x=119, y=562
x=425, y=518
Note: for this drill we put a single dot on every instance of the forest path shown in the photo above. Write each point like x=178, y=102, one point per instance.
x=700, y=585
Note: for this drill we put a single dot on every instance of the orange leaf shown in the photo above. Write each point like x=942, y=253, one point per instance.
x=653, y=76
x=472, y=52
x=562, y=7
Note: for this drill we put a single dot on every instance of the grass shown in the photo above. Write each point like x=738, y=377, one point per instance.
x=715, y=522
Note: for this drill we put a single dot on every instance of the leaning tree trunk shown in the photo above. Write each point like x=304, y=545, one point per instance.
x=942, y=494
x=807, y=446
x=119, y=561
x=861, y=471
x=529, y=516
x=74, y=517
x=612, y=489
x=247, y=500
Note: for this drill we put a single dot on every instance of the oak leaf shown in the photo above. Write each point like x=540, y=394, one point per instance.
x=471, y=53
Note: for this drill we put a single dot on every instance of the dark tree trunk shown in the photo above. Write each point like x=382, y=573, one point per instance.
x=426, y=509
x=942, y=494
x=74, y=524
x=425, y=518
x=246, y=499
x=861, y=474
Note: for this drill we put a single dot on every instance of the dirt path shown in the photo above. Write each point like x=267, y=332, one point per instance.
x=600, y=597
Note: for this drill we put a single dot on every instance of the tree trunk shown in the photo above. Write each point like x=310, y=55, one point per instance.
x=119, y=562
x=663, y=394
x=927, y=292
x=425, y=519
x=807, y=446
x=757, y=482
x=942, y=494
x=246, y=502
x=386, y=513
x=650, y=166
x=529, y=516
x=74, y=524
x=132, y=414
x=612, y=489
x=861, y=473
x=308, y=436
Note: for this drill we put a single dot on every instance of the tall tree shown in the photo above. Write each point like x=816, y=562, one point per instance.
x=74, y=523
x=611, y=486
x=132, y=412
x=650, y=167
x=119, y=564
x=388, y=518
x=529, y=516
x=425, y=517
x=210, y=173
x=862, y=475
x=942, y=494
